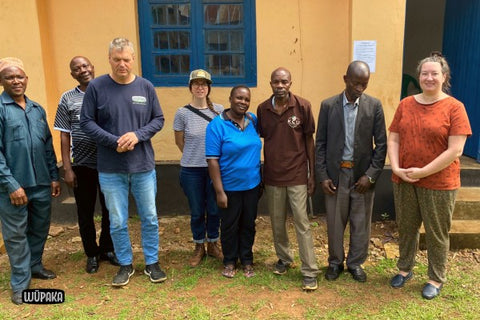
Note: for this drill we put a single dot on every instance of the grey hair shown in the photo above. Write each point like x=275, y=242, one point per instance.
x=120, y=44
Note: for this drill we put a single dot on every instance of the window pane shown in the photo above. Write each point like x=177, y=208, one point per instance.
x=226, y=64
x=171, y=14
x=236, y=41
x=216, y=40
x=224, y=40
x=172, y=64
x=165, y=40
x=223, y=14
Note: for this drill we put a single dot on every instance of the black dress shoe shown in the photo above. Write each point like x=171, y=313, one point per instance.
x=17, y=297
x=111, y=257
x=358, y=274
x=398, y=281
x=92, y=264
x=430, y=291
x=333, y=272
x=44, y=274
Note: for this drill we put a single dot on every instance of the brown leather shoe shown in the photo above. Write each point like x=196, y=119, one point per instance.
x=214, y=251
x=198, y=254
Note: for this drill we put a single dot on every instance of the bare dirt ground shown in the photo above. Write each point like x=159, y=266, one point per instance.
x=64, y=255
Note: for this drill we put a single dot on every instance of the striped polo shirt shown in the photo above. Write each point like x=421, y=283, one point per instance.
x=67, y=119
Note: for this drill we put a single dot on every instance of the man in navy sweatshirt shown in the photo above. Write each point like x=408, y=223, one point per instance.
x=121, y=112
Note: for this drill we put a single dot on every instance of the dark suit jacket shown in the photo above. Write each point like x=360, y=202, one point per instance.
x=370, y=141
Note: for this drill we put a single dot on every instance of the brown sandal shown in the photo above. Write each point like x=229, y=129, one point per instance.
x=229, y=271
x=248, y=271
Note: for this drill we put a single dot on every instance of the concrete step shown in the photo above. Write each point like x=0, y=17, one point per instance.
x=467, y=205
x=464, y=234
x=470, y=172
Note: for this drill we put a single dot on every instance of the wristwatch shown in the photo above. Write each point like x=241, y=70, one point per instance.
x=370, y=179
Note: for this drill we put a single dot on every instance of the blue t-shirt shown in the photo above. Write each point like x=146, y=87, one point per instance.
x=110, y=110
x=237, y=151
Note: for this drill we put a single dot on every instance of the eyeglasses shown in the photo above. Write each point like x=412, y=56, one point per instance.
x=197, y=84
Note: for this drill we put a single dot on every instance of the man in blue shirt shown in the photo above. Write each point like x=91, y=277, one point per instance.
x=28, y=178
x=121, y=113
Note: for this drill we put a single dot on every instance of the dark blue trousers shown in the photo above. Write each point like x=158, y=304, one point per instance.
x=25, y=230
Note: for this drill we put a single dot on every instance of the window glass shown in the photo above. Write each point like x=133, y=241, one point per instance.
x=225, y=64
x=171, y=14
x=165, y=40
x=223, y=14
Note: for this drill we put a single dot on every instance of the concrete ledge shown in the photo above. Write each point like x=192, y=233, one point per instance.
x=172, y=201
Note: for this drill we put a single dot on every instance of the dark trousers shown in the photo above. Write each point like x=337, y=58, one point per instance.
x=25, y=230
x=85, y=197
x=238, y=226
x=348, y=206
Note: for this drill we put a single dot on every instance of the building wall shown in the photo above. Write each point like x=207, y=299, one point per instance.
x=382, y=21
x=20, y=37
x=311, y=38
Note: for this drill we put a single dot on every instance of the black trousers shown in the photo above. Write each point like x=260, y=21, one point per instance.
x=85, y=197
x=238, y=226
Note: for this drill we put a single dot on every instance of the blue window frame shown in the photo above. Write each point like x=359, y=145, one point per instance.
x=179, y=36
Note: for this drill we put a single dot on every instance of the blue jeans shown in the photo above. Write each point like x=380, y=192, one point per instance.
x=198, y=188
x=25, y=230
x=143, y=185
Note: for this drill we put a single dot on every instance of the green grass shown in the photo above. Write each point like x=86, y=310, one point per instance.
x=202, y=293
x=77, y=256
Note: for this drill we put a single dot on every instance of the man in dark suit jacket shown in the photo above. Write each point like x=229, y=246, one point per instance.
x=350, y=155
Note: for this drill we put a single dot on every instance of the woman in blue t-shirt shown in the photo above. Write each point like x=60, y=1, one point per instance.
x=233, y=154
x=190, y=123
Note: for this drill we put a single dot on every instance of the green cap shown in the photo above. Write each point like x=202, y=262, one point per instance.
x=200, y=74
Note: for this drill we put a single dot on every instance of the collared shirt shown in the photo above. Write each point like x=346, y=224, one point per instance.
x=285, y=135
x=27, y=158
x=67, y=119
x=350, y=111
x=238, y=152
x=246, y=120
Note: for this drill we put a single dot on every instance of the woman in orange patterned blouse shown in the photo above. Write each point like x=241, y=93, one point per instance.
x=427, y=136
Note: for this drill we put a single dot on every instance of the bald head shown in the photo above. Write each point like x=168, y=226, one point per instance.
x=358, y=68
x=281, y=71
x=280, y=81
x=356, y=80
x=76, y=58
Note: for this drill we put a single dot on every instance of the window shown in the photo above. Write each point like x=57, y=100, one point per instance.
x=179, y=36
